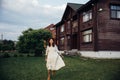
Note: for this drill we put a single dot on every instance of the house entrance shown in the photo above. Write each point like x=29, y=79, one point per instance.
x=74, y=41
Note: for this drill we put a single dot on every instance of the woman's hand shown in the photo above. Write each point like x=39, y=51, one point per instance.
x=45, y=59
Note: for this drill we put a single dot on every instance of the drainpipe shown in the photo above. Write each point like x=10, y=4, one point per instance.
x=96, y=29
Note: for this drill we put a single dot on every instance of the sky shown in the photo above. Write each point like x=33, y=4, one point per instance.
x=19, y=15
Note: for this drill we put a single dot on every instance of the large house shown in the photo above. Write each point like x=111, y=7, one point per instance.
x=93, y=29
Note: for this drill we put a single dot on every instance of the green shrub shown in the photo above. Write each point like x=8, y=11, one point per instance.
x=28, y=55
x=21, y=55
x=15, y=55
x=6, y=55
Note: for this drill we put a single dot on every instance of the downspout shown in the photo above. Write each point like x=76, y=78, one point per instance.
x=96, y=29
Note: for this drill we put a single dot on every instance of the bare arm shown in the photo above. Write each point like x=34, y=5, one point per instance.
x=58, y=51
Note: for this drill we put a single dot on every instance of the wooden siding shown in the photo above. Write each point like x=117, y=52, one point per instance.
x=106, y=31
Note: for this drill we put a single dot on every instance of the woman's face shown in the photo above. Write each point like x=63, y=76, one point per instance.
x=51, y=41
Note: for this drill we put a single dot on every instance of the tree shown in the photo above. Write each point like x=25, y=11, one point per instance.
x=7, y=45
x=32, y=41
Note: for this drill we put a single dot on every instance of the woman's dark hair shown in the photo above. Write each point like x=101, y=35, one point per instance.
x=53, y=44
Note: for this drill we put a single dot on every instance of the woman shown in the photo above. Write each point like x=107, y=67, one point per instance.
x=53, y=59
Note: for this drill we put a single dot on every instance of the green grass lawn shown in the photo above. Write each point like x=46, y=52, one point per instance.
x=77, y=68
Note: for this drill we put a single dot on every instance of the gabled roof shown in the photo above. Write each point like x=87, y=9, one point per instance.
x=77, y=8
x=73, y=6
x=88, y=5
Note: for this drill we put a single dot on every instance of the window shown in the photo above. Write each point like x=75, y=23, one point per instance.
x=87, y=16
x=62, y=28
x=68, y=40
x=51, y=28
x=75, y=24
x=68, y=25
x=115, y=11
x=87, y=36
x=62, y=41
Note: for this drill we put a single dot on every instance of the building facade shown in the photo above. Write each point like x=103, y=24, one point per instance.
x=52, y=29
x=92, y=28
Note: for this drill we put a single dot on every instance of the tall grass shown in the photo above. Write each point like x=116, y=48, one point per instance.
x=77, y=68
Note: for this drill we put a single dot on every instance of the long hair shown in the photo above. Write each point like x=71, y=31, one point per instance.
x=53, y=44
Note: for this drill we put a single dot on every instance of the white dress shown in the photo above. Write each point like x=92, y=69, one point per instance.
x=54, y=60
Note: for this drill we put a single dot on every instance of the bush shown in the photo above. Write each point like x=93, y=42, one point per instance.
x=6, y=55
x=21, y=55
x=28, y=55
x=15, y=55
x=38, y=52
x=1, y=55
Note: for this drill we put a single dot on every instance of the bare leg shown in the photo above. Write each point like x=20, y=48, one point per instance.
x=53, y=72
x=48, y=75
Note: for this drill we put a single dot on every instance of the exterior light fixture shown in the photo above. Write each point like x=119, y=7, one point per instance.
x=100, y=9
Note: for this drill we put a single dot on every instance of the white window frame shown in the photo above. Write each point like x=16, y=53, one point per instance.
x=62, y=28
x=68, y=25
x=115, y=11
x=87, y=16
x=87, y=36
x=62, y=40
x=75, y=24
